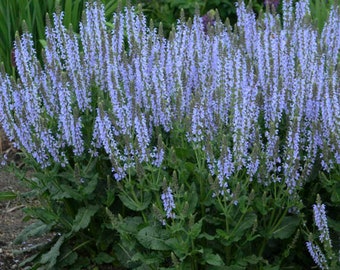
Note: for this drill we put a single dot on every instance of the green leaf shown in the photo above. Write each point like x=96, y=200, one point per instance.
x=252, y=259
x=110, y=25
x=67, y=257
x=183, y=154
x=240, y=229
x=193, y=199
x=261, y=206
x=83, y=217
x=147, y=259
x=223, y=234
x=213, y=259
x=7, y=195
x=110, y=7
x=130, y=225
x=110, y=197
x=335, y=197
x=68, y=13
x=334, y=224
x=51, y=256
x=68, y=192
x=287, y=227
x=124, y=254
x=139, y=204
x=43, y=43
x=90, y=185
x=153, y=238
x=207, y=236
x=196, y=229
x=35, y=229
x=179, y=246
x=44, y=214
x=103, y=257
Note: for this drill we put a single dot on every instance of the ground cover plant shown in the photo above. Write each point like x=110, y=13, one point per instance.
x=216, y=148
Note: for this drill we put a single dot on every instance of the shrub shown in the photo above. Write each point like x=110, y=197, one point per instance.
x=187, y=152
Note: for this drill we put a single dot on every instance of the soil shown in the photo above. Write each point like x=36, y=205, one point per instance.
x=11, y=223
x=11, y=214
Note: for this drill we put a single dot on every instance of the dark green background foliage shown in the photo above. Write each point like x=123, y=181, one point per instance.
x=33, y=12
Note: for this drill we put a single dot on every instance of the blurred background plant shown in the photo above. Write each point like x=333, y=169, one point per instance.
x=33, y=12
x=320, y=11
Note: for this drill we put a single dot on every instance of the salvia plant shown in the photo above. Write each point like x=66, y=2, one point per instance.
x=192, y=152
x=328, y=259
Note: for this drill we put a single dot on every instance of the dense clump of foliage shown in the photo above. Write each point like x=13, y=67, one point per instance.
x=203, y=150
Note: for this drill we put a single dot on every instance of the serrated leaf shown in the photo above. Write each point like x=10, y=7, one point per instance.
x=240, y=230
x=35, y=229
x=153, y=238
x=213, y=259
x=247, y=222
x=207, y=236
x=223, y=234
x=261, y=207
x=196, y=229
x=83, y=217
x=136, y=205
x=335, y=197
x=124, y=254
x=179, y=247
x=287, y=227
x=252, y=259
x=7, y=195
x=103, y=257
x=41, y=213
x=51, y=256
x=29, y=260
x=68, y=192
x=110, y=197
x=147, y=259
x=90, y=185
x=67, y=258
x=130, y=225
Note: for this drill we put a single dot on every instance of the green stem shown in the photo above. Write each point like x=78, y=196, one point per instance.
x=263, y=245
x=200, y=160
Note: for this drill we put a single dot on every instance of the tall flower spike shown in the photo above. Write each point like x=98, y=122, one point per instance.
x=330, y=38
x=93, y=35
x=225, y=169
x=317, y=255
x=143, y=136
x=168, y=203
x=320, y=220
